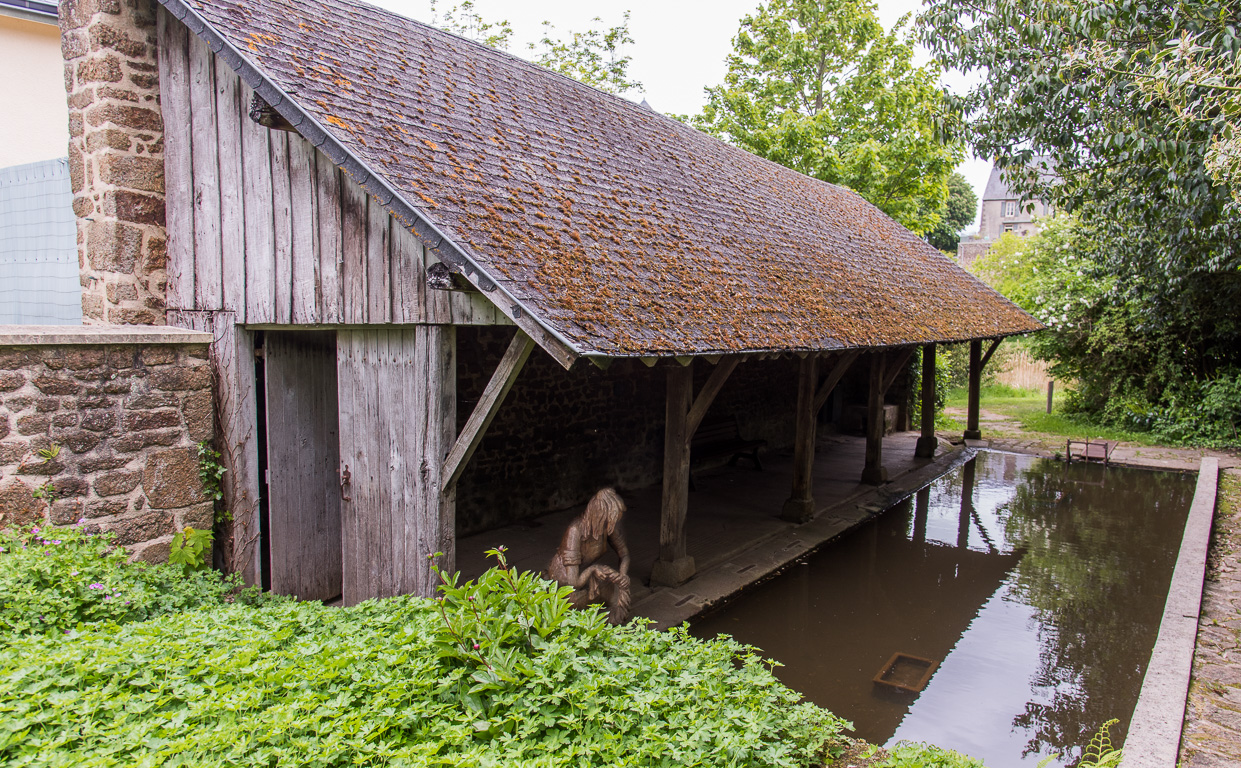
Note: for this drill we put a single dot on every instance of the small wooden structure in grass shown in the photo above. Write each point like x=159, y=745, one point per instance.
x=1089, y=450
x=351, y=193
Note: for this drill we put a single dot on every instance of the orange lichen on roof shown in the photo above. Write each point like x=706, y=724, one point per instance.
x=626, y=232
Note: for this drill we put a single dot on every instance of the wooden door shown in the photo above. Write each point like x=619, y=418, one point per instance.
x=397, y=421
x=303, y=449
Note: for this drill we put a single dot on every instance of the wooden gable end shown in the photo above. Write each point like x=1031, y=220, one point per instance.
x=262, y=224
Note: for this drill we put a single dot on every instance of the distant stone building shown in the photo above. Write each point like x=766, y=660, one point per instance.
x=1003, y=210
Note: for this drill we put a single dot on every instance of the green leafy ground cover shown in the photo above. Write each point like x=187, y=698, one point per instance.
x=497, y=672
x=1029, y=409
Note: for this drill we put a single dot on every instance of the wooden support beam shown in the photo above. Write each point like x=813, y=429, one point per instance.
x=927, y=442
x=497, y=389
x=709, y=390
x=833, y=378
x=895, y=367
x=674, y=565
x=986, y=358
x=874, y=473
x=972, y=431
x=800, y=505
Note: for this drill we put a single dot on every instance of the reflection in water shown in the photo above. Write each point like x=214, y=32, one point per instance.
x=1037, y=586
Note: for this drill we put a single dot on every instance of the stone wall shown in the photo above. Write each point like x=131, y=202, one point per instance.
x=116, y=158
x=561, y=435
x=126, y=417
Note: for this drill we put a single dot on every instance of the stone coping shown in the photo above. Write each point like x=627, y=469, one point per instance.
x=1155, y=731
x=57, y=335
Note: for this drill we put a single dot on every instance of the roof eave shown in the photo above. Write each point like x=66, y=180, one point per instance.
x=410, y=216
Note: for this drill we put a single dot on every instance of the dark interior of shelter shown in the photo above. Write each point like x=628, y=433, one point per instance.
x=559, y=436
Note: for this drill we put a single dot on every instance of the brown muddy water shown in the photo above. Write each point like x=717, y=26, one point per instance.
x=1035, y=587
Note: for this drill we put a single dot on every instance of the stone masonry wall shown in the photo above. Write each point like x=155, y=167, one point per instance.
x=126, y=419
x=116, y=158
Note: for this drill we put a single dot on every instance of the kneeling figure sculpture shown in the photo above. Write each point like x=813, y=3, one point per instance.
x=576, y=563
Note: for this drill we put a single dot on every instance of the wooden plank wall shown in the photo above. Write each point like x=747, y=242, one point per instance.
x=303, y=492
x=264, y=225
x=397, y=401
x=232, y=364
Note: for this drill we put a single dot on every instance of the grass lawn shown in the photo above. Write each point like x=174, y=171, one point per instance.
x=1029, y=409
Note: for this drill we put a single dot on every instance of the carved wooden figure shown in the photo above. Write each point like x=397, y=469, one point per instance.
x=585, y=542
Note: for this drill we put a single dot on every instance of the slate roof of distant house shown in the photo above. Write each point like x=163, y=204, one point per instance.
x=624, y=232
x=997, y=185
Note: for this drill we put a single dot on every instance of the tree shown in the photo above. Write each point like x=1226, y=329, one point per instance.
x=958, y=212
x=1081, y=84
x=593, y=57
x=818, y=86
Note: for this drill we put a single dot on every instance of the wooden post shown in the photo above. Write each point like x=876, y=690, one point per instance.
x=922, y=505
x=967, y=503
x=1051, y=390
x=674, y=566
x=874, y=472
x=397, y=420
x=800, y=505
x=927, y=442
x=975, y=386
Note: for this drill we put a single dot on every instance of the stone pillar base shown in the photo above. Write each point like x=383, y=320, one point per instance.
x=874, y=475
x=973, y=434
x=672, y=573
x=925, y=449
x=797, y=510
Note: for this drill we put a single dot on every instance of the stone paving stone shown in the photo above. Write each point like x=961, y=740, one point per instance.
x=1211, y=736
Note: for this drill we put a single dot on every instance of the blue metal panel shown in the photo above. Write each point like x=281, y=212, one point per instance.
x=38, y=246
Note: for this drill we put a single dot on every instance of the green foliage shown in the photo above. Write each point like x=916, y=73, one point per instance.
x=1154, y=233
x=56, y=580
x=595, y=57
x=49, y=453
x=907, y=754
x=462, y=19
x=190, y=548
x=1130, y=373
x=211, y=473
x=1099, y=753
x=399, y=682
x=819, y=87
x=959, y=211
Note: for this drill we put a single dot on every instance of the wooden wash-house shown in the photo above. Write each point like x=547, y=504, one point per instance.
x=349, y=192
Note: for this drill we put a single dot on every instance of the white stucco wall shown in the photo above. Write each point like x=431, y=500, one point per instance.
x=35, y=124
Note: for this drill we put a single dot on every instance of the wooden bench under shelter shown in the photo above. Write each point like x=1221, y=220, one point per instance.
x=717, y=439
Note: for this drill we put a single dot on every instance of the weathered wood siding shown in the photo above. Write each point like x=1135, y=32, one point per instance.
x=236, y=403
x=303, y=490
x=264, y=225
x=397, y=392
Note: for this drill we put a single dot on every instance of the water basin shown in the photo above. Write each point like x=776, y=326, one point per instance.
x=1033, y=589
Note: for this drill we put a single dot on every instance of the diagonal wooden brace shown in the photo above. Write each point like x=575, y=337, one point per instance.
x=488, y=406
x=833, y=378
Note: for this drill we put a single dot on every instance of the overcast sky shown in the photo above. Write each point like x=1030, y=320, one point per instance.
x=679, y=45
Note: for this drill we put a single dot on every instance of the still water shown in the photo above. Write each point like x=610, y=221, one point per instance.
x=1037, y=587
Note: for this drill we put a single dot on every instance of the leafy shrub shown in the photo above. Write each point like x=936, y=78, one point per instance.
x=190, y=549
x=55, y=579
x=400, y=682
x=908, y=754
